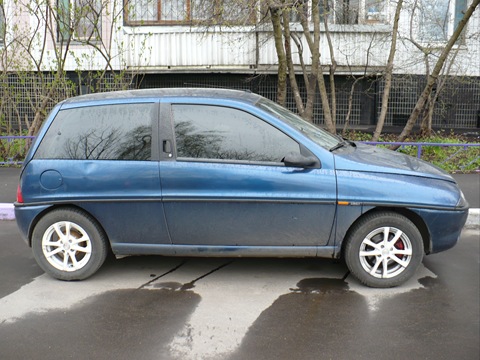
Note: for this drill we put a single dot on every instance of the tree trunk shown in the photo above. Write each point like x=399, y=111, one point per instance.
x=315, y=50
x=388, y=74
x=333, y=68
x=290, y=66
x=317, y=70
x=276, y=14
x=40, y=113
x=350, y=105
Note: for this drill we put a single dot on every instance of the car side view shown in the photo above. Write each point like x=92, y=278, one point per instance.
x=209, y=172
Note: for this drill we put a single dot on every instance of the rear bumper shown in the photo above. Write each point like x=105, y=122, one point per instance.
x=26, y=217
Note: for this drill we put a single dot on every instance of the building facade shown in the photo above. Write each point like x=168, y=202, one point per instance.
x=227, y=43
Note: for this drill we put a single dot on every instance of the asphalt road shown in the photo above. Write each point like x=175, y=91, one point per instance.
x=9, y=177
x=176, y=308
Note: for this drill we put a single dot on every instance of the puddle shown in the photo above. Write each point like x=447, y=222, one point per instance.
x=118, y=324
x=321, y=286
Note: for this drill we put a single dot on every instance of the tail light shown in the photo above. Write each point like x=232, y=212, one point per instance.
x=19, y=195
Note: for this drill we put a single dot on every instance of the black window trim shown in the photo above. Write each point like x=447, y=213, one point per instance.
x=154, y=122
x=167, y=112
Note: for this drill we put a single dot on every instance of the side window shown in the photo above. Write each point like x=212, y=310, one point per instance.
x=108, y=132
x=222, y=133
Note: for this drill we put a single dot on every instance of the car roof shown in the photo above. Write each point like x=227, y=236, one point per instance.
x=211, y=93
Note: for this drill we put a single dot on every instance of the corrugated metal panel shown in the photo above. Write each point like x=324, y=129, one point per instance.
x=189, y=49
x=350, y=49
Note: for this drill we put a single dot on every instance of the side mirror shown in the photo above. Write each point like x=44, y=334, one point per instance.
x=301, y=161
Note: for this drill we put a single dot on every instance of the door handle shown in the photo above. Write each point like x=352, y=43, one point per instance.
x=167, y=147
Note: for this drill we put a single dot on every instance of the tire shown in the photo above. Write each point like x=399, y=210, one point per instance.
x=68, y=244
x=383, y=249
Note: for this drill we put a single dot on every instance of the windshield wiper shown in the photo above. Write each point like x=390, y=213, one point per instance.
x=349, y=142
x=338, y=146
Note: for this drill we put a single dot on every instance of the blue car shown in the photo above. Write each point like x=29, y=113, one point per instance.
x=208, y=172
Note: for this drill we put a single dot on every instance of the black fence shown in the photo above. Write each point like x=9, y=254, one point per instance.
x=457, y=105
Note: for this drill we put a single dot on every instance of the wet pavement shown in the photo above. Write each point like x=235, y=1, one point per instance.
x=175, y=308
x=324, y=318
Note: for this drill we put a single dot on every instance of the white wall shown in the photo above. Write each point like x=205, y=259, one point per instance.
x=249, y=49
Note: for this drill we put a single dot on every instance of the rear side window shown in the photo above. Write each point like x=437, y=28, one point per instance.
x=107, y=132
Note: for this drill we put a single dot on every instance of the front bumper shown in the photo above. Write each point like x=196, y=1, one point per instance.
x=444, y=226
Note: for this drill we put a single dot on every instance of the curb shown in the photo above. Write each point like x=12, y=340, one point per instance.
x=6, y=212
x=473, y=220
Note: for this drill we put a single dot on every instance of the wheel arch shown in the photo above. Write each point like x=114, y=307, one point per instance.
x=64, y=207
x=408, y=213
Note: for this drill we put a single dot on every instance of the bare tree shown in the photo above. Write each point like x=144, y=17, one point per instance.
x=57, y=35
x=287, y=38
x=281, y=12
x=436, y=72
x=428, y=53
x=312, y=16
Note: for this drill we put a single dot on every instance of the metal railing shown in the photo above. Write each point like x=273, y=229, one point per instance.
x=421, y=145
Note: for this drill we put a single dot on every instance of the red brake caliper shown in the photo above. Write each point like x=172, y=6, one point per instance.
x=400, y=246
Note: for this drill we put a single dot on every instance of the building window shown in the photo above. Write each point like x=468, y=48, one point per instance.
x=458, y=11
x=186, y=12
x=3, y=23
x=353, y=12
x=433, y=20
x=79, y=20
x=346, y=11
x=440, y=18
x=374, y=11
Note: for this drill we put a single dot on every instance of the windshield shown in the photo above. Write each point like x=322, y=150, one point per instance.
x=317, y=135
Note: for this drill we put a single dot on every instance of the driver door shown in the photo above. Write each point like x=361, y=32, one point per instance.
x=228, y=186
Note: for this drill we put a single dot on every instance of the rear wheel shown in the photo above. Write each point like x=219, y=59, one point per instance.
x=384, y=249
x=68, y=244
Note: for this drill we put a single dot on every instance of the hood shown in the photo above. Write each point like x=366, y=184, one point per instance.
x=368, y=158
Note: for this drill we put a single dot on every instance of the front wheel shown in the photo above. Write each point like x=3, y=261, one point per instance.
x=68, y=244
x=383, y=249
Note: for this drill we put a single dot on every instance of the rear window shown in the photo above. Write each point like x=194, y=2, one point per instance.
x=107, y=132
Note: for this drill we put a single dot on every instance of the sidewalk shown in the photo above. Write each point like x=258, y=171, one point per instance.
x=469, y=183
